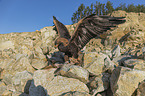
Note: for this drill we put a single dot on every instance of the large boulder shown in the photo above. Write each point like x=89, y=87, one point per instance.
x=124, y=81
x=19, y=65
x=21, y=80
x=74, y=71
x=96, y=63
x=45, y=81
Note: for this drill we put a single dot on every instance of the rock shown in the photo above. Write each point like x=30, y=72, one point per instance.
x=41, y=79
x=48, y=32
x=5, y=62
x=18, y=56
x=39, y=53
x=109, y=65
x=47, y=81
x=124, y=81
x=116, y=52
x=7, y=79
x=75, y=93
x=16, y=93
x=38, y=63
x=73, y=71
x=143, y=52
x=138, y=64
x=7, y=93
x=11, y=88
x=45, y=49
x=37, y=90
x=65, y=84
x=119, y=60
x=141, y=89
x=21, y=81
x=7, y=45
x=107, y=52
x=99, y=83
x=3, y=87
x=8, y=53
x=23, y=49
x=20, y=65
x=48, y=37
x=94, y=62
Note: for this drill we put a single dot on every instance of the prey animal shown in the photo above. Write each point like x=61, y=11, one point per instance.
x=87, y=28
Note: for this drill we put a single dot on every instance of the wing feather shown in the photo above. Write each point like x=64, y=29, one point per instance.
x=91, y=27
x=61, y=29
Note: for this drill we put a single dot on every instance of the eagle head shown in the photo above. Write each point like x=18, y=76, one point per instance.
x=62, y=41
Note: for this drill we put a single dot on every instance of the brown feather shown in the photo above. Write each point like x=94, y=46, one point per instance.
x=61, y=29
x=89, y=27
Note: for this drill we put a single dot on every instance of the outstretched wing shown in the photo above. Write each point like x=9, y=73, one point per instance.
x=61, y=29
x=90, y=27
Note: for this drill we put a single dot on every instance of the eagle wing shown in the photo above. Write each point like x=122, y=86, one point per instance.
x=61, y=29
x=90, y=27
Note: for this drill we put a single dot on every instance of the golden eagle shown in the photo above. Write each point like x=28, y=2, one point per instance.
x=87, y=28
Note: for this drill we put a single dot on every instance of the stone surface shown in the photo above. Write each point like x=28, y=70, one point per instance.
x=64, y=85
x=73, y=71
x=94, y=62
x=20, y=65
x=45, y=82
x=116, y=52
x=141, y=89
x=100, y=83
x=76, y=93
x=3, y=87
x=39, y=63
x=20, y=81
x=7, y=93
x=7, y=79
x=138, y=64
x=124, y=81
x=6, y=45
x=29, y=52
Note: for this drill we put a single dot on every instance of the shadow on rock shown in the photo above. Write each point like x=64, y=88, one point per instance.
x=32, y=90
x=56, y=57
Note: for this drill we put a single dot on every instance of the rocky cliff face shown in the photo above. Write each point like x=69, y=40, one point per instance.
x=113, y=65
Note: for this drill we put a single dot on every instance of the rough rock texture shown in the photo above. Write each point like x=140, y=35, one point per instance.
x=113, y=65
x=44, y=82
x=124, y=81
x=74, y=71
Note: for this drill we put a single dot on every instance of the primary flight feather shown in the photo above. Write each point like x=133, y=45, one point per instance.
x=87, y=28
